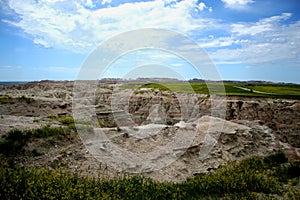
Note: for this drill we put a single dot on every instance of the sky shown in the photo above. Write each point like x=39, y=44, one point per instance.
x=245, y=39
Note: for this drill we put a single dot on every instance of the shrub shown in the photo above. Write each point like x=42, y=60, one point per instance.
x=234, y=181
x=294, y=169
x=235, y=178
x=101, y=123
x=5, y=99
x=66, y=120
x=275, y=159
x=26, y=99
x=47, y=131
x=52, y=117
x=118, y=129
x=16, y=140
x=248, y=179
x=35, y=153
x=288, y=171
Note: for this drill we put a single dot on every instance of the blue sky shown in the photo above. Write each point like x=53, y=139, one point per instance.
x=246, y=39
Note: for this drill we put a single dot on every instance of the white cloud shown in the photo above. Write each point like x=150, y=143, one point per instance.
x=217, y=42
x=266, y=41
x=202, y=6
x=71, y=25
x=237, y=4
x=261, y=26
x=89, y=3
x=106, y=2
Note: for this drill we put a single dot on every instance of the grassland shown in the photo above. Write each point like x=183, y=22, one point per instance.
x=5, y=99
x=13, y=142
x=291, y=91
x=253, y=178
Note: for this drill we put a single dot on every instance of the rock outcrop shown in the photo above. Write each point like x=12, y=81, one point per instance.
x=116, y=107
x=173, y=153
x=174, y=135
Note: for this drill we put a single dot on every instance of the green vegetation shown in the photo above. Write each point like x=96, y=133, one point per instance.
x=5, y=99
x=156, y=86
x=52, y=117
x=36, y=152
x=250, y=90
x=15, y=140
x=283, y=90
x=25, y=99
x=118, y=129
x=252, y=178
x=275, y=159
x=66, y=120
x=101, y=123
x=166, y=86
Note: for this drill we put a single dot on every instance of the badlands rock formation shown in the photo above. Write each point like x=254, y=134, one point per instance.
x=182, y=150
x=167, y=136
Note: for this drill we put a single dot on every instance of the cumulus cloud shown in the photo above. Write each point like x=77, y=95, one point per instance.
x=202, y=7
x=237, y=4
x=80, y=25
x=106, y=2
x=264, y=41
x=73, y=25
x=90, y=4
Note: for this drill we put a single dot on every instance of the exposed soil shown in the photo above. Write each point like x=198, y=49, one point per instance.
x=143, y=122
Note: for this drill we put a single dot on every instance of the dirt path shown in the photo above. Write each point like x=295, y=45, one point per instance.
x=255, y=91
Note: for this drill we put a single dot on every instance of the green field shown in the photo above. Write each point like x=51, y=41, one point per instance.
x=277, y=89
x=291, y=91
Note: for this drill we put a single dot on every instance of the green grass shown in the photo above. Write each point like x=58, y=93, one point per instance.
x=165, y=86
x=275, y=90
x=15, y=140
x=66, y=120
x=179, y=87
x=249, y=179
x=5, y=99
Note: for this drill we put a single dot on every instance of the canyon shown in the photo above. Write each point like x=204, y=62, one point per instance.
x=141, y=121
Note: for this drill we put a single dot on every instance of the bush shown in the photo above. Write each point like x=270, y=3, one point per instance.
x=35, y=153
x=66, y=120
x=234, y=181
x=5, y=99
x=26, y=99
x=16, y=140
x=288, y=171
x=235, y=178
x=47, y=131
x=275, y=159
x=118, y=129
x=294, y=169
x=247, y=179
x=52, y=117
